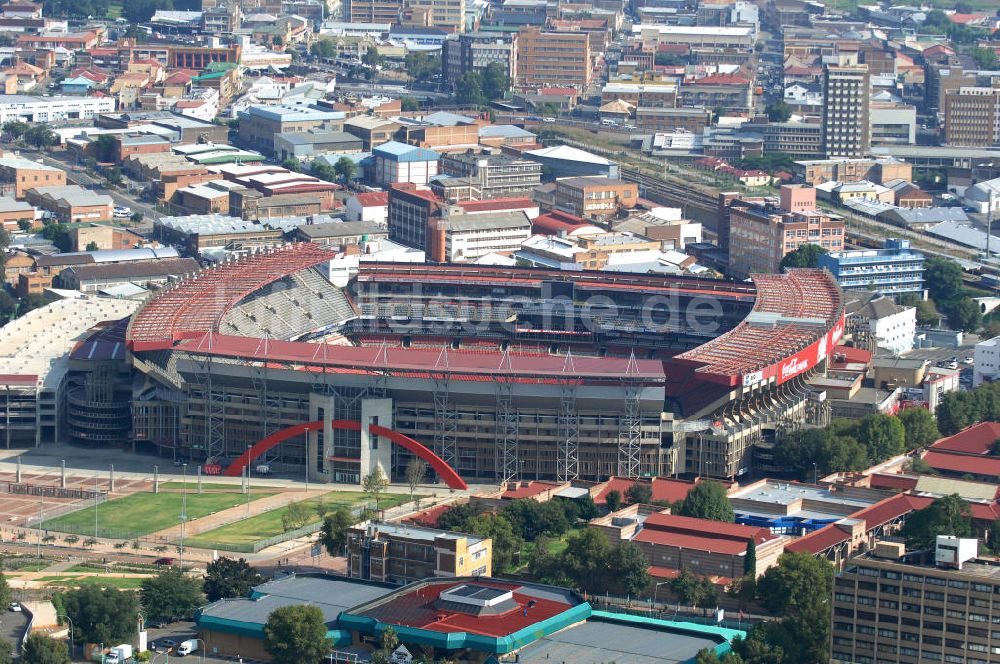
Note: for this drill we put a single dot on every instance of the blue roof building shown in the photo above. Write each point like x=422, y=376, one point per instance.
x=400, y=162
x=78, y=85
x=892, y=270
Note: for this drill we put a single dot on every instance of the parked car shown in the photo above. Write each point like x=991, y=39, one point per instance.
x=187, y=647
x=15, y=606
x=122, y=211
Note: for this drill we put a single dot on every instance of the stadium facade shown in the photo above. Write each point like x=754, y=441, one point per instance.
x=505, y=373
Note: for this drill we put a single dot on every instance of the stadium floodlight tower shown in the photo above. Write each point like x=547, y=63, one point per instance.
x=630, y=427
x=215, y=402
x=445, y=417
x=507, y=461
x=568, y=452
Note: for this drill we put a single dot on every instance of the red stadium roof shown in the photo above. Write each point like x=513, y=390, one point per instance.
x=976, y=439
x=963, y=463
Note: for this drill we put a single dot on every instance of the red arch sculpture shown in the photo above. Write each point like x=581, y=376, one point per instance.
x=444, y=471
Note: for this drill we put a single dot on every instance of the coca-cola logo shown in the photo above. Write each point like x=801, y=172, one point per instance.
x=793, y=366
x=838, y=331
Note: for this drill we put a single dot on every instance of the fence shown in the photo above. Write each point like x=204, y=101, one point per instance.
x=679, y=614
x=45, y=491
x=53, y=513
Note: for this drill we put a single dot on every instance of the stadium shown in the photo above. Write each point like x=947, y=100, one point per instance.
x=489, y=373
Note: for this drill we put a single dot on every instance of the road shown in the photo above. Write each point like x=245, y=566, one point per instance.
x=12, y=626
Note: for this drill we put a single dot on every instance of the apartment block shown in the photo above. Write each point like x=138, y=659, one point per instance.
x=493, y=175
x=846, y=111
x=761, y=231
x=894, y=607
x=260, y=124
x=457, y=237
x=892, y=270
x=553, y=58
x=448, y=14
x=405, y=553
x=972, y=116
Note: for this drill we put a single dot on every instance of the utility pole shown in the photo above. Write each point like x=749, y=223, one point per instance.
x=184, y=499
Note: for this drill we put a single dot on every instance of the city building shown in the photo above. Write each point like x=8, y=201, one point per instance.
x=403, y=554
x=711, y=548
x=411, y=208
x=762, y=231
x=493, y=175
x=146, y=274
x=372, y=130
x=566, y=161
x=468, y=619
x=72, y=203
x=553, y=58
x=261, y=124
x=972, y=116
x=398, y=162
x=739, y=38
x=986, y=359
x=348, y=236
x=13, y=213
x=18, y=175
x=890, y=605
x=595, y=198
x=878, y=321
x=846, y=111
x=449, y=14
x=892, y=270
x=372, y=11
x=372, y=207
x=873, y=169
x=893, y=123
x=30, y=109
x=474, y=51
x=457, y=236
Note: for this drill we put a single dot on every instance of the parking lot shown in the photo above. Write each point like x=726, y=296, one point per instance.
x=12, y=625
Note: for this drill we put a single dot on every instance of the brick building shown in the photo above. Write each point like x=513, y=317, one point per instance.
x=553, y=58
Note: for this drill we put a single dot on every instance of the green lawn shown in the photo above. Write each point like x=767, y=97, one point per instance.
x=27, y=566
x=104, y=582
x=263, y=526
x=215, y=486
x=144, y=513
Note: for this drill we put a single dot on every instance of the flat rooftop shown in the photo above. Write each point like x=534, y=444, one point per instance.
x=599, y=641
x=818, y=502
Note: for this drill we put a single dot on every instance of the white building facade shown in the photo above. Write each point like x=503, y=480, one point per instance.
x=986, y=366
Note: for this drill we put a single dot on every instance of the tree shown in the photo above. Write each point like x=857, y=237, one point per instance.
x=506, y=543
x=706, y=656
x=469, y=89
x=639, y=492
x=323, y=48
x=372, y=57
x=24, y=224
x=6, y=652
x=798, y=588
x=943, y=277
x=106, y=148
x=277, y=40
x=41, y=136
x=883, y=435
x=613, y=500
x=963, y=314
x=136, y=217
x=114, y=176
x=693, y=589
x=422, y=66
x=333, y=534
x=345, y=169
x=227, y=577
x=630, y=569
x=956, y=411
x=58, y=234
x=986, y=58
x=409, y=104
x=947, y=515
x=296, y=515
x=708, y=500
x=530, y=518
x=668, y=60
x=101, y=615
x=416, y=469
x=750, y=560
x=292, y=164
x=41, y=649
x=323, y=170
x=807, y=255
x=374, y=484
x=92, y=246
x=295, y=634
x=778, y=111
x=15, y=128
x=495, y=80
x=457, y=516
x=919, y=426
x=171, y=595
x=588, y=568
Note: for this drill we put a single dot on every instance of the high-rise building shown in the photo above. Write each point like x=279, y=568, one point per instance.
x=474, y=51
x=441, y=13
x=907, y=608
x=972, y=116
x=846, y=111
x=553, y=58
x=372, y=11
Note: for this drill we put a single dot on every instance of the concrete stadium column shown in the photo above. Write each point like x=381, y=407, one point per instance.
x=62, y=474
x=111, y=479
x=17, y=477
x=199, y=478
x=156, y=479
x=375, y=452
x=319, y=443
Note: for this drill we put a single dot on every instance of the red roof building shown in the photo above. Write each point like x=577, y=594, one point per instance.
x=556, y=223
x=373, y=199
x=498, y=205
x=977, y=439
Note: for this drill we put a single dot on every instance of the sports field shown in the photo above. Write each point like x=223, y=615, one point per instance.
x=144, y=513
x=241, y=535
